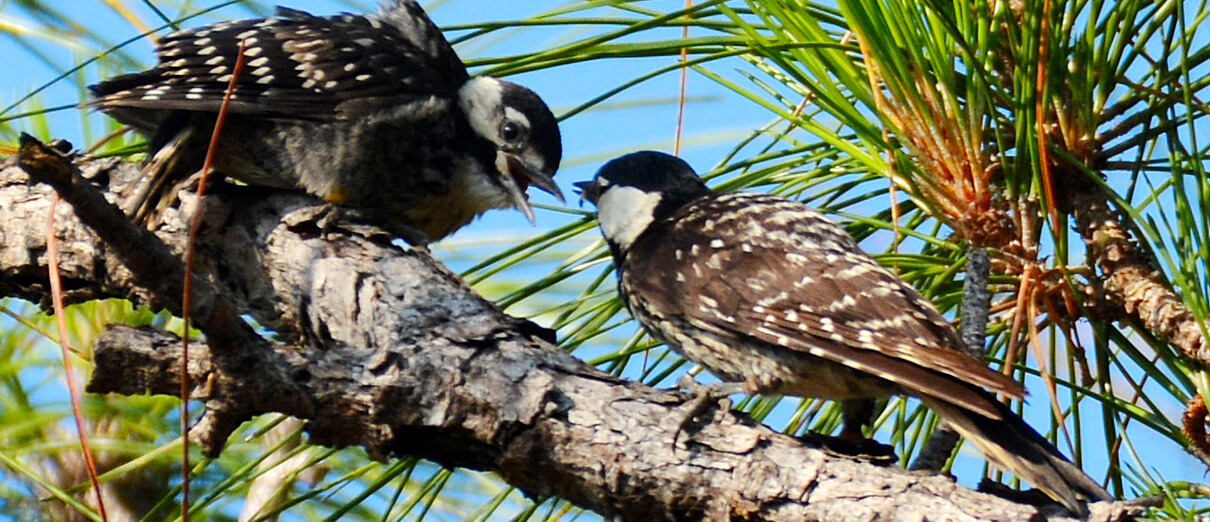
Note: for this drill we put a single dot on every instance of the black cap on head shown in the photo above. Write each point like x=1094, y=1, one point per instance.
x=544, y=134
x=649, y=171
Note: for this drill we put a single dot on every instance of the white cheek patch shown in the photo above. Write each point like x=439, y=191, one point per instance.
x=481, y=101
x=624, y=213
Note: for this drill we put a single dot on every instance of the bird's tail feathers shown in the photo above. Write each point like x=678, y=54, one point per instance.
x=1012, y=444
x=168, y=170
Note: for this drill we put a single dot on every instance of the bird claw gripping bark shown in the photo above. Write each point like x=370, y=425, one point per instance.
x=702, y=397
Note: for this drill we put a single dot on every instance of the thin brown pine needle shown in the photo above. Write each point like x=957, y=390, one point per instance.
x=680, y=102
x=56, y=296
x=1048, y=378
x=186, y=301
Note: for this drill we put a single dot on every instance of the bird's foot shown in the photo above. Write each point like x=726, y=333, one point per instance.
x=704, y=396
x=329, y=217
x=1033, y=497
x=415, y=237
x=333, y=217
x=864, y=449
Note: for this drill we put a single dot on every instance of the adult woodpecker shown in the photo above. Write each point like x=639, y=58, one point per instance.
x=375, y=114
x=766, y=292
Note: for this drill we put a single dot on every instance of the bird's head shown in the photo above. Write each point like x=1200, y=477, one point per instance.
x=638, y=189
x=524, y=132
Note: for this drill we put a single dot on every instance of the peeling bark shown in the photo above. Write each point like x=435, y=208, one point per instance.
x=1132, y=287
x=382, y=347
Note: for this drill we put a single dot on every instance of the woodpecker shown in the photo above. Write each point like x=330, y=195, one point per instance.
x=766, y=292
x=375, y=114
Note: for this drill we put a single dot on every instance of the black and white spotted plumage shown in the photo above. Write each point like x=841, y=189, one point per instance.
x=767, y=292
x=375, y=113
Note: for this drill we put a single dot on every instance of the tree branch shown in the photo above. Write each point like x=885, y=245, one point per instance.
x=382, y=347
x=1134, y=288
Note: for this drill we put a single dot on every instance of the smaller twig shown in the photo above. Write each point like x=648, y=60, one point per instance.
x=155, y=267
x=152, y=263
x=976, y=300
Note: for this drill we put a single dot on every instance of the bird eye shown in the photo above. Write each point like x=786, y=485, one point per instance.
x=511, y=131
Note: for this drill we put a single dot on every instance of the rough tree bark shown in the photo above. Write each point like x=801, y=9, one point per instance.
x=381, y=347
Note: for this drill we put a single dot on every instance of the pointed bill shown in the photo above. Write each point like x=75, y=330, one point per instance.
x=507, y=166
x=516, y=177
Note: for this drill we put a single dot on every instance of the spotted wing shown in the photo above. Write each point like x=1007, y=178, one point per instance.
x=296, y=65
x=770, y=269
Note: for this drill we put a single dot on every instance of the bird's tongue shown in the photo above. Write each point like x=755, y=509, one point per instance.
x=524, y=178
x=519, y=173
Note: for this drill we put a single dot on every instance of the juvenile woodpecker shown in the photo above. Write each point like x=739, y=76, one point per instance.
x=766, y=292
x=375, y=114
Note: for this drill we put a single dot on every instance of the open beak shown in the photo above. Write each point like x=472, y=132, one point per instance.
x=532, y=177
x=518, y=177
x=587, y=191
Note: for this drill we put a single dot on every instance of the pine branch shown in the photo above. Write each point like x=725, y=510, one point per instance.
x=382, y=347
